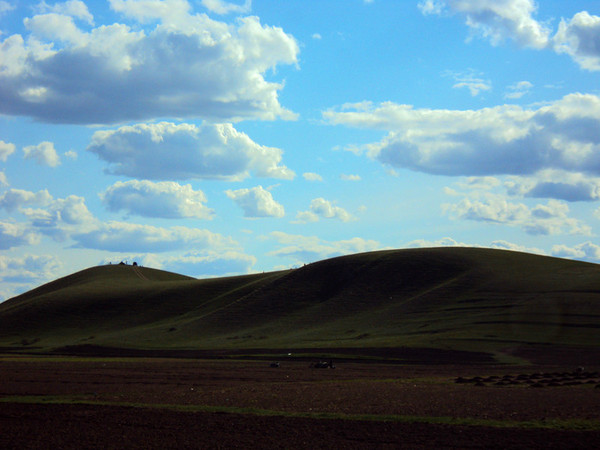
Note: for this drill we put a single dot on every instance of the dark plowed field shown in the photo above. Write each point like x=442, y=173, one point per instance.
x=174, y=403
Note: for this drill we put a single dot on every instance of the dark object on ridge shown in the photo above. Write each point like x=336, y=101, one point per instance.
x=324, y=365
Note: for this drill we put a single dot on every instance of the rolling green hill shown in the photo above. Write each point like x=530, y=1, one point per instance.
x=446, y=298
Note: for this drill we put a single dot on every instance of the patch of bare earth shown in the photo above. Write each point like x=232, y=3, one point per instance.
x=352, y=388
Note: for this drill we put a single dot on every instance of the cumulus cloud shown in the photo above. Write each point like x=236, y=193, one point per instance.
x=431, y=6
x=587, y=251
x=170, y=151
x=175, y=12
x=71, y=8
x=306, y=249
x=497, y=20
x=542, y=219
x=579, y=39
x=5, y=7
x=321, y=208
x=506, y=139
x=350, y=177
x=514, y=20
x=19, y=274
x=256, y=202
x=3, y=179
x=569, y=186
x=129, y=237
x=210, y=263
x=442, y=242
x=311, y=176
x=518, y=90
x=17, y=198
x=480, y=183
x=61, y=218
x=16, y=235
x=505, y=245
x=163, y=199
x=471, y=81
x=222, y=7
x=57, y=218
x=449, y=242
x=43, y=153
x=205, y=263
x=6, y=149
x=28, y=268
x=62, y=72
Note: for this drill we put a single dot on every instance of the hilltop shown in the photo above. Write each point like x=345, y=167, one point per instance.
x=469, y=299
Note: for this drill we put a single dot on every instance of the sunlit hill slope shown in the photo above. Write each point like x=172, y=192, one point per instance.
x=445, y=298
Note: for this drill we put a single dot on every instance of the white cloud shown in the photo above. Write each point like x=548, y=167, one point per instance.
x=579, y=39
x=62, y=217
x=471, y=81
x=173, y=12
x=549, y=219
x=449, y=242
x=71, y=154
x=506, y=139
x=256, y=202
x=431, y=6
x=185, y=151
x=129, y=237
x=205, y=263
x=518, y=90
x=210, y=263
x=513, y=20
x=505, y=245
x=19, y=274
x=16, y=198
x=350, y=177
x=569, y=186
x=443, y=242
x=114, y=73
x=28, y=268
x=70, y=8
x=311, y=176
x=481, y=183
x=164, y=199
x=321, y=208
x=306, y=249
x=43, y=153
x=6, y=149
x=317, y=36
x=5, y=7
x=500, y=20
x=16, y=234
x=3, y=179
x=587, y=251
x=222, y=7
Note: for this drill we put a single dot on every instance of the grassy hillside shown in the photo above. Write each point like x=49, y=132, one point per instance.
x=447, y=298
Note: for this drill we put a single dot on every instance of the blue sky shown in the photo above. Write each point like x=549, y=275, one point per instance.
x=214, y=138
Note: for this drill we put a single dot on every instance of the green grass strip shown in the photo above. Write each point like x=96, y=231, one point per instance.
x=550, y=424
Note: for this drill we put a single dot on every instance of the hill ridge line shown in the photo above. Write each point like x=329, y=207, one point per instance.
x=384, y=299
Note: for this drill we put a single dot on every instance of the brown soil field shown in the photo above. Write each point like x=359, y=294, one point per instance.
x=75, y=402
